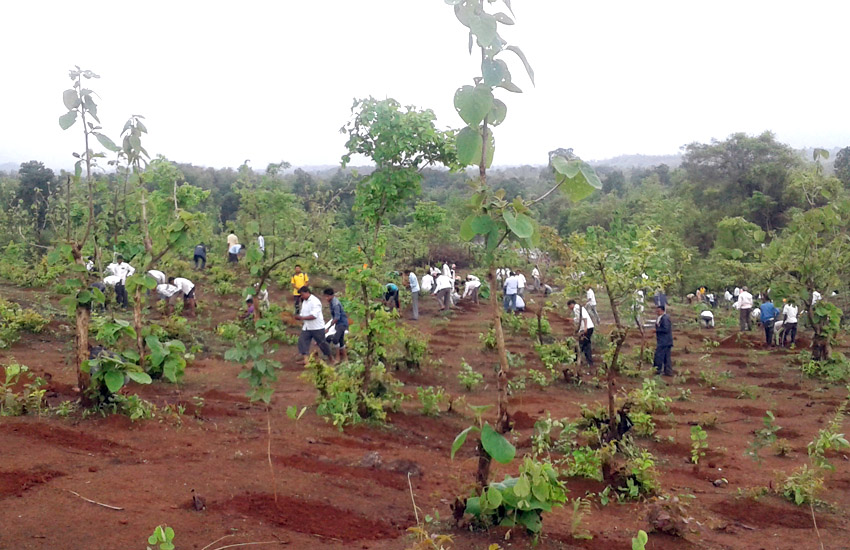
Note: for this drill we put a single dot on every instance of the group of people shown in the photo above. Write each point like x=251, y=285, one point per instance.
x=117, y=272
x=780, y=326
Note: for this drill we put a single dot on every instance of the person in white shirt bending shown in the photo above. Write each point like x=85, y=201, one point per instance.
x=745, y=306
x=590, y=304
x=165, y=291
x=122, y=270
x=314, y=325
x=470, y=288
x=187, y=287
x=584, y=328
x=789, y=325
x=442, y=290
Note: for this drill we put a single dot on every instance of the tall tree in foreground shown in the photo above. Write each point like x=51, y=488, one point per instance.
x=401, y=141
x=81, y=105
x=493, y=218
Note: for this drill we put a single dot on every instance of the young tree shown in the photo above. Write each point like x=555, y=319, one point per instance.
x=401, y=142
x=80, y=104
x=813, y=254
x=492, y=217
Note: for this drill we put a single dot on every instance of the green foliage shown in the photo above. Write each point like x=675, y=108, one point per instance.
x=584, y=462
x=14, y=319
x=162, y=538
x=557, y=355
x=639, y=541
x=698, y=443
x=110, y=372
x=166, y=359
x=230, y=332
x=31, y=397
x=551, y=434
x=644, y=426
x=109, y=331
x=835, y=369
x=468, y=377
x=828, y=439
x=339, y=391
x=764, y=437
x=802, y=485
x=641, y=476
x=488, y=339
x=430, y=399
x=522, y=500
x=494, y=443
x=648, y=399
x=260, y=371
x=581, y=508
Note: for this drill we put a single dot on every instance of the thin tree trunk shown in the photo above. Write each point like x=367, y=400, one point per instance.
x=81, y=346
x=137, y=325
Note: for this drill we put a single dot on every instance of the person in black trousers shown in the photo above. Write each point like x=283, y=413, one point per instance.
x=663, y=342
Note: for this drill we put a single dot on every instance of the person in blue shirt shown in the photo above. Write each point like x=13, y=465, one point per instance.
x=391, y=296
x=769, y=313
x=339, y=320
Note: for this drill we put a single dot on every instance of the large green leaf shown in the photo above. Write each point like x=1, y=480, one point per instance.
x=520, y=224
x=139, y=377
x=114, y=380
x=531, y=520
x=582, y=184
x=469, y=143
x=494, y=71
x=493, y=238
x=484, y=28
x=496, y=445
x=70, y=99
x=482, y=224
x=498, y=113
x=106, y=142
x=68, y=119
x=522, y=58
x=473, y=103
x=473, y=506
x=460, y=439
x=568, y=168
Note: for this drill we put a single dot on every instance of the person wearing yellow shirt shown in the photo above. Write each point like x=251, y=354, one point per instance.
x=298, y=280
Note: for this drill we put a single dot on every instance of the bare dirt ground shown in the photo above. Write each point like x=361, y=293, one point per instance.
x=350, y=490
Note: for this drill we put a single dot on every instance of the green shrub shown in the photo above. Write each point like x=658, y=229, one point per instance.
x=430, y=398
x=468, y=377
x=166, y=359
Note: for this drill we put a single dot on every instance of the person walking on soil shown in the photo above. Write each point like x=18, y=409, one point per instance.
x=521, y=283
x=584, y=328
x=769, y=313
x=122, y=270
x=298, y=280
x=200, y=256
x=663, y=361
x=590, y=304
x=339, y=322
x=314, y=324
x=442, y=290
x=232, y=239
x=744, y=305
x=413, y=283
x=789, y=318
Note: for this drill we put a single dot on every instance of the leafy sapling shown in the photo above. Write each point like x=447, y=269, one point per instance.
x=698, y=443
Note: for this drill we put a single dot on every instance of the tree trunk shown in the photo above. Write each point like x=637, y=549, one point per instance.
x=137, y=325
x=368, y=358
x=503, y=420
x=81, y=345
x=484, y=460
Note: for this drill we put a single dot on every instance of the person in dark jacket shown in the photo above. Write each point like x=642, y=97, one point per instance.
x=663, y=343
x=200, y=256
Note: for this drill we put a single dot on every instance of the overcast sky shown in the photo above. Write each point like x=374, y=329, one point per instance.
x=222, y=82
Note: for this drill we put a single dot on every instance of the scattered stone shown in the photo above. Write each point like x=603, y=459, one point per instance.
x=371, y=460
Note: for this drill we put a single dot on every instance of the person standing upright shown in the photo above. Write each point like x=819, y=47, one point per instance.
x=232, y=240
x=590, y=304
x=663, y=361
x=511, y=290
x=789, y=317
x=584, y=329
x=535, y=274
x=413, y=283
x=298, y=280
x=447, y=271
x=314, y=324
x=744, y=305
x=122, y=270
x=261, y=243
x=521, y=283
x=768, y=318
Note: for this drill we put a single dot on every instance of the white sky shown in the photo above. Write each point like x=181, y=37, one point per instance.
x=221, y=82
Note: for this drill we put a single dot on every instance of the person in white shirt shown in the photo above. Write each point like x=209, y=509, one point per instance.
x=728, y=297
x=447, y=271
x=453, y=275
x=638, y=308
x=789, y=325
x=427, y=281
x=511, y=290
x=233, y=253
x=261, y=243
x=745, y=306
x=158, y=276
x=706, y=319
x=520, y=303
x=442, y=290
x=187, y=287
x=263, y=297
x=590, y=304
x=314, y=324
x=736, y=293
x=584, y=328
x=165, y=291
x=535, y=274
x=90, y=264
x=122, y=270
x=816, y=297
x=521, y=282
x=413, y=284
x=470, y=288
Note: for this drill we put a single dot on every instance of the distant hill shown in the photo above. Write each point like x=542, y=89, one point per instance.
x=9, y=167
x=639, y=161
